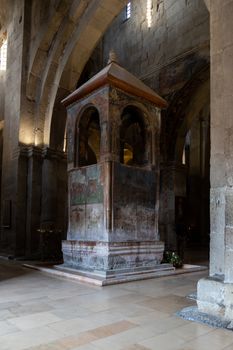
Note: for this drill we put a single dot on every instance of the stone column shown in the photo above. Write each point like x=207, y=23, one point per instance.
x=33, y=194
x=13, y=234
x=204, y=178
x=173, y=183
x=54, y=189
x=215, y=292
x=53, y=218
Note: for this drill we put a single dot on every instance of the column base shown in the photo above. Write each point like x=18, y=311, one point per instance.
x=214, y=297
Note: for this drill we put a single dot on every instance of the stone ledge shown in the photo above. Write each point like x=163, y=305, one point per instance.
x=98, y=280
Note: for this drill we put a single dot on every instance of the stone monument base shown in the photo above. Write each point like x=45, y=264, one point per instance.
x=115, y=262
x=108, y=256
x=116, y=276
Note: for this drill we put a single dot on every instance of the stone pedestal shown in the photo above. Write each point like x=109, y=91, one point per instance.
x=107, y=258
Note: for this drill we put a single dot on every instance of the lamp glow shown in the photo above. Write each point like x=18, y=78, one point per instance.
x=149, y=13
x=128, y=10
x=3, y=55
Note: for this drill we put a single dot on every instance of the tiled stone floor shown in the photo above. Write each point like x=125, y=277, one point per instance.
x=40, y=312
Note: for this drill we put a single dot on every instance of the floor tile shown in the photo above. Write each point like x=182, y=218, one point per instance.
x=164, y=341
x=34, y=320
x=216, y=340
x=136, y=347
x=7, y=328
x=27, y=339
x=38, y=312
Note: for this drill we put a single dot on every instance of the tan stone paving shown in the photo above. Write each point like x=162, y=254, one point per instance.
x=40, y=312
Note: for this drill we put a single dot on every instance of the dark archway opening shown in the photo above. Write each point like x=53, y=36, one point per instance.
x=186, y=175
x=88, y=138
x=132, y=137
x=196, y=159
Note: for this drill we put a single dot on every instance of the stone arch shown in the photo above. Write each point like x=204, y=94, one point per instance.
x=200, y=100
x=193, y=176
x=88, y=137
x=139, y=106
x=207, y=3
x=45, y=41
x=182, y=111
x=184, y=108
x=68, y=44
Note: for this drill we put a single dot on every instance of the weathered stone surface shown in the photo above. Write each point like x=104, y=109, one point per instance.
x=106, y=257
x=215, y=293
x=113, y=204
x=214, y=297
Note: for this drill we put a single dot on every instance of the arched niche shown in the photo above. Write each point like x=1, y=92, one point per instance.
x=88, y=138
x=133, y=137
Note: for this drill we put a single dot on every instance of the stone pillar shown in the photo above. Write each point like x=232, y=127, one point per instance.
x=54, y=190
x=53, y=218
x=32, y=200
x=204, y=178
x=215, y=292
x=12, y=230
x=173, y=183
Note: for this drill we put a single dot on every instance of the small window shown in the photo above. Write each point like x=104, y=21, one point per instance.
x=186, y=149
x=65, y=140
x=184, y=156
x=3, y=55
x=128, y=10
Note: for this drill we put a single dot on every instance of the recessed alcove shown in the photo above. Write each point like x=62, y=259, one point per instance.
x=132, y=137
x=88, y=138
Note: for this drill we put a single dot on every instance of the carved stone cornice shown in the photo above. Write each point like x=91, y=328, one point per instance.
x=41, y=152
x=50, y=153
x=30, y=151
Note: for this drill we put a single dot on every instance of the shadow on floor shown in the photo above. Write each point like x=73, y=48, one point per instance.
x=197, y=256
x=12, y=270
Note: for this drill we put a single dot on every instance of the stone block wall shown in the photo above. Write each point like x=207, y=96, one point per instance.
x=170, y=51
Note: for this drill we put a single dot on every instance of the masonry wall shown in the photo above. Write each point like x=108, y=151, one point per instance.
x=170, y=51
x=41, y=14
